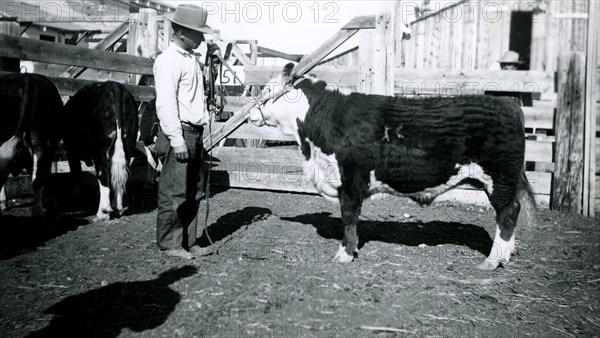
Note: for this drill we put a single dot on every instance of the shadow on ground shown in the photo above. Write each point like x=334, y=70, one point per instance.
x=405, y=233
x=23, y=233
x=106, y=311
x=229, y=224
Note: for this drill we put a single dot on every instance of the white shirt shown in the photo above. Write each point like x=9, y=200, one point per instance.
x=179, y=92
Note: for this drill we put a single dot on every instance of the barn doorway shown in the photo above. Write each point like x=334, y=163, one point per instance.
x=521, y=24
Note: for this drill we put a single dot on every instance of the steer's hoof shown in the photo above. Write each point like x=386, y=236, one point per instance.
x=101, y=216
x=342, y=256
x=119, y=212
x=488, y=265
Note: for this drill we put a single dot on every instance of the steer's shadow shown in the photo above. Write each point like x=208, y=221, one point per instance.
x=230, y=223
x=105, y=312
x=405, y=233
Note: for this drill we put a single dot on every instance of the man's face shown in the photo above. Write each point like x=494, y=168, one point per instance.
x=191, y=38
x=508, y=66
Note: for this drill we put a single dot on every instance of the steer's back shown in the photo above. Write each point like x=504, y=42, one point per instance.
x=412, y=144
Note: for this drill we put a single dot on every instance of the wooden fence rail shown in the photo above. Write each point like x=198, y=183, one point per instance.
x=50, y=52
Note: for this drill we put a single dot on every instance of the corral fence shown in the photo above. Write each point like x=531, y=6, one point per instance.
x=269, y=160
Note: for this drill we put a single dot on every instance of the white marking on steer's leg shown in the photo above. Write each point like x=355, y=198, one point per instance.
x=104, y=208
x=501, y=252
x=150, y=170
x=119, y=172
x=342, y=256
x=3, y=201
x=38, y=208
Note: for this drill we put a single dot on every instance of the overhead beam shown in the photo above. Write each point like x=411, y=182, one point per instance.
x=157, y=5
x=278, y=54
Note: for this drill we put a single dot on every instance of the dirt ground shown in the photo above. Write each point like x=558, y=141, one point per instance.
x=273, y=275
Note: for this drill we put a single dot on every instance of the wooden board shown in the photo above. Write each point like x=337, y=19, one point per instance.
x=338, y=76
x=539, y=116
x=428, y=81
x=453, y=82
x=49, y=52
x=539, y=151
x=270, y=159
x=69, y=86
x=250, y=131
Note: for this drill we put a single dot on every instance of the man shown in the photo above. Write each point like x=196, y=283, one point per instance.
x=511, y=61
x=182, y=111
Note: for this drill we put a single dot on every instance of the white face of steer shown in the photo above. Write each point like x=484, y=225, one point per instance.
x=280, y=112
x=284, y=112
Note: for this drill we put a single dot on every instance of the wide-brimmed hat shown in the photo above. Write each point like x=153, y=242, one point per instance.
x=192, y=17
x=510, y=57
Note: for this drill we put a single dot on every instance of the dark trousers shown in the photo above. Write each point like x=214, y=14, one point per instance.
x=180, y=189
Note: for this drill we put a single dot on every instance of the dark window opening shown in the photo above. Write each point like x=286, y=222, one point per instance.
x=521, y=24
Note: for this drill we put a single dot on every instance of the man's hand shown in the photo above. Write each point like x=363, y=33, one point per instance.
x=181, y=153
x=212, y=49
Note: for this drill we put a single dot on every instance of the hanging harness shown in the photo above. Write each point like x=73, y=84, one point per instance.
x=215, y=109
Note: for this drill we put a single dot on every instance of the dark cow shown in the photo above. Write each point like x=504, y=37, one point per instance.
x=103, y=127
x=31, y=113
x=149, y=127
x=355, y=145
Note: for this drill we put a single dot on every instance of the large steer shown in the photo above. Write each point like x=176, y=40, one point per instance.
x=413, y=147
x=103, y=127
x=31, y=112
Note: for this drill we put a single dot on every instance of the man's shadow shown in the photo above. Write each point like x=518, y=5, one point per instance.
x=405, y=233
x=104, y=312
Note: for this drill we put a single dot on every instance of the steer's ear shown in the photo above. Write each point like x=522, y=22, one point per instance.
x=287, y=69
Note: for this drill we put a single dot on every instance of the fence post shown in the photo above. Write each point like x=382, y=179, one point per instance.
x=376, y=54
x=589, y=165
x=10, y=26
x=143, y=37
x=568, y=173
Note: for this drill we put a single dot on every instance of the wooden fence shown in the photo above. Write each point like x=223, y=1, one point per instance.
x=278, y=166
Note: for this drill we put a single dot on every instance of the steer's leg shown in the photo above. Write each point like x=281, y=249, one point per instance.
x=151, y=170
x=506, y=219
x=102, y=174
x=38, y=185
x=42, y=166
x=3, y=201
x=352, y=192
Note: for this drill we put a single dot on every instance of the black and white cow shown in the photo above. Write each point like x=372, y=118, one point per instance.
x=413, y=147
x=102, y=130
x=149, y=127
x=31, y=111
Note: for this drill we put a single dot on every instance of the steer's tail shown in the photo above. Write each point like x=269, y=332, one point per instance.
x=527, y=201
x=119, y=172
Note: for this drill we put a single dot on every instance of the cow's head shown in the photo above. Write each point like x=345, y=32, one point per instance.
x=281, y=105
